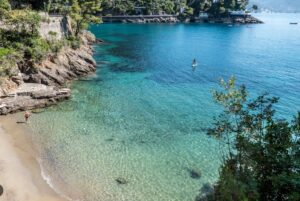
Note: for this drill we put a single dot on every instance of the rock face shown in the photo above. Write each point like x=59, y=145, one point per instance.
x=44, y=85
x=30, y=95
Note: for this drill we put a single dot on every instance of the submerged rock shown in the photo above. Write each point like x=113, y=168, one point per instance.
x=121, y=181
x=38, y=111
x=109, y=140
x=195, y=174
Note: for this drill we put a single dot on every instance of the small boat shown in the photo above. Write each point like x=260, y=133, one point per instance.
x=293, y=23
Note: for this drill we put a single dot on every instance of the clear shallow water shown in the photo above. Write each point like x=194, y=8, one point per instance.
x=143, y=116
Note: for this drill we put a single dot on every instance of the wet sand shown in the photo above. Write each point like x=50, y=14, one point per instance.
x=20, y=173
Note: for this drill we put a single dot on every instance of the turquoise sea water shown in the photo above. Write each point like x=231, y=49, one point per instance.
x=143, y=116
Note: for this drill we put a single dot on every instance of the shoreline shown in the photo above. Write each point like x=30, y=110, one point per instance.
x=171, y=19
x=47, y=85
x=19, y=159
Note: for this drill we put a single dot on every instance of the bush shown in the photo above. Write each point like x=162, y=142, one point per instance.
x=8, y=59
x=4, y=52
x=74, y=42
x=37, y=49
x=56, y=46
x=24, y=21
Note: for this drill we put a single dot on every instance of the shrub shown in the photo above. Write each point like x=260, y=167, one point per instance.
x=8, y=59
x=37, y=50
x=24, y=21
x=74, y=42
x=4, y=52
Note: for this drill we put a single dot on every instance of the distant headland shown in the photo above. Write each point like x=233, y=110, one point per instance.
x=171, y=11
x=236, y=18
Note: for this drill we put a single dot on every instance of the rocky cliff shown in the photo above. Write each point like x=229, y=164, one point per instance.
x=44, y=84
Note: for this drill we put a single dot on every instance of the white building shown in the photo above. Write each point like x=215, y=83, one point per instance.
x=203, y=15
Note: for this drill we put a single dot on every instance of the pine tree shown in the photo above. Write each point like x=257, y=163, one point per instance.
x=83, y=12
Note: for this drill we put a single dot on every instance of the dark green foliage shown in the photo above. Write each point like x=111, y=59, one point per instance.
x=20, y=40
x=34, y=4
x=57, y=6
x=4, y=8
x=8, y=58
x=183, y=7
x=23, y=21
x=83, y=12
x=119, y=7
x=73, y=42
x=262, y=161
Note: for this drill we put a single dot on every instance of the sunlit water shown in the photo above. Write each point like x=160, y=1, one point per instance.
x=143, y=116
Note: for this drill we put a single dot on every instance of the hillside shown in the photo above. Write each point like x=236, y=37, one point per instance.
x=278, y=5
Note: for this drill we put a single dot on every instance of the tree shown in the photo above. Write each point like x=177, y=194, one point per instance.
x=230, y=4
x=262, y=157
x=168, y=6
x=24, y=21
x=83, y=12
x=57, y=6
x=34, y=4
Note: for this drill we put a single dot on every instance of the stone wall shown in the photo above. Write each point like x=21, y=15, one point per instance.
x=54, y=23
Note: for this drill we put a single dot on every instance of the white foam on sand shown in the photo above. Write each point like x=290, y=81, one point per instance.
x=49, y=181
x=19, y=172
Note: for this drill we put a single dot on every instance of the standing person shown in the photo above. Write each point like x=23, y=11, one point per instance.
x=26, y=116
x=194, y=65
x=194, y=62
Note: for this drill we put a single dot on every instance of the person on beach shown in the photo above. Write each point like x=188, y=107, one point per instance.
x=26, y=116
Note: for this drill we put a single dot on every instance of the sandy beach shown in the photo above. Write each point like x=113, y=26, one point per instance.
x=20, y=173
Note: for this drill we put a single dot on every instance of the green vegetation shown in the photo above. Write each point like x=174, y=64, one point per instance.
x=20, y=40
x=8, y=58
x=182, y=7
x=21, y=36
x=4, y=8
x=83, y=13
x=262, y=160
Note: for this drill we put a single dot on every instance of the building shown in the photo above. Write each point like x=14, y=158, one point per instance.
x=240, y=13
x=203, y=15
